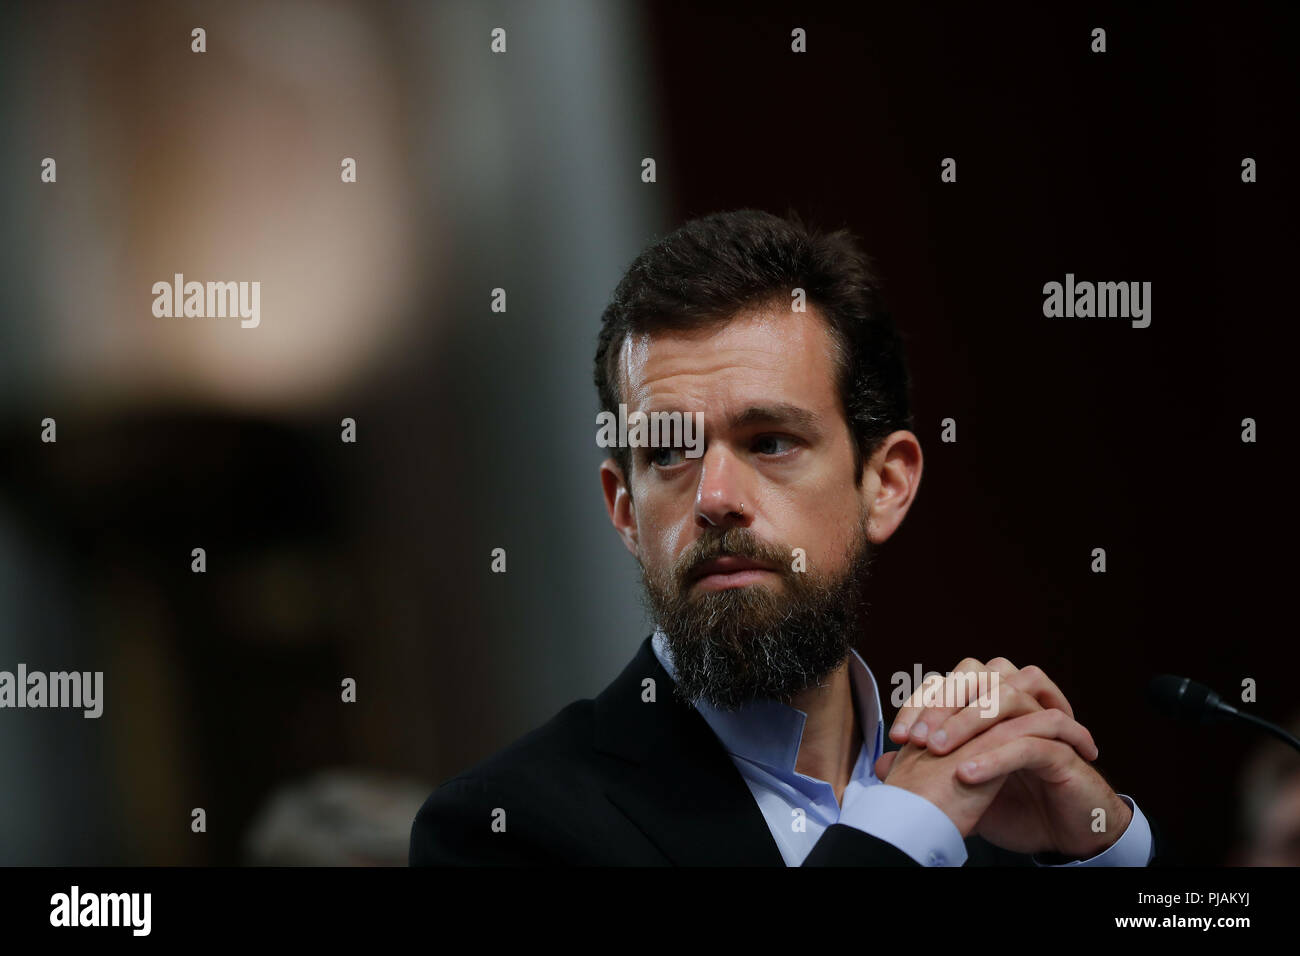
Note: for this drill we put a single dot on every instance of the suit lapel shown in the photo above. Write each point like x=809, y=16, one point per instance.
x=682, y=789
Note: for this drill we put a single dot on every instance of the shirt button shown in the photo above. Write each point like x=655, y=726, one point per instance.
x=936, y=859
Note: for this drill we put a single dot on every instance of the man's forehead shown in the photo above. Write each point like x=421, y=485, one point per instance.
x=761, y=347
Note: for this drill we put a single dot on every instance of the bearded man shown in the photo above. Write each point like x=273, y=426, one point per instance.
x=747, y=730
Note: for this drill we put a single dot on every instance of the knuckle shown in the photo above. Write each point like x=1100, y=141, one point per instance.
x=1014, y=699
x=1028, y=702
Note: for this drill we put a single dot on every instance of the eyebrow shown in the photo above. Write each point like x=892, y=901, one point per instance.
x=780, y=413
x=777, y=413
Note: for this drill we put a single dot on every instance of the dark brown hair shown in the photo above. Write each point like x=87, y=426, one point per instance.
x=716, y=265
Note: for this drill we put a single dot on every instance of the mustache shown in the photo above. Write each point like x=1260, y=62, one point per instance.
x=733, y=542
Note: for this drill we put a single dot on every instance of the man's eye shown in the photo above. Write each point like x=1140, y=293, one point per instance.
x=666, y=457
x=773, y=444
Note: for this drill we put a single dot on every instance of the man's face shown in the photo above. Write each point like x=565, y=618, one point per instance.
x=721, y=538
x=1278, y=840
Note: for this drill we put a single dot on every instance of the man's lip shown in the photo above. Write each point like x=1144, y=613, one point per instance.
x=728, y=565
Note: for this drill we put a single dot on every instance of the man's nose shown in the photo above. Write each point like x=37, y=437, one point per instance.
x=720, y=499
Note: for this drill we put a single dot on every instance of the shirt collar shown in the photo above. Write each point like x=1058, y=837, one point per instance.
x=768, y=732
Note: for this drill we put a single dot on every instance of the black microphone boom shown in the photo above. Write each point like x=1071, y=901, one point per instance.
x=1185, y=699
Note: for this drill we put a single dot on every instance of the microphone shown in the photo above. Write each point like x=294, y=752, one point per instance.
x=1184, y=699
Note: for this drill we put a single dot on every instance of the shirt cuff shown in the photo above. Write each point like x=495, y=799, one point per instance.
x=910, y=822
x=1134, y=847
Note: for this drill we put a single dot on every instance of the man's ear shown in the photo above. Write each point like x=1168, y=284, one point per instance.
x=618, y=502
x=889, y=486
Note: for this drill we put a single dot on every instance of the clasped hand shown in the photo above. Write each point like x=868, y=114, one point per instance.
x=1013, y=767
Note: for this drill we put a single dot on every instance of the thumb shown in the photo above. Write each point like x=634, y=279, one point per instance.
x=884, y=763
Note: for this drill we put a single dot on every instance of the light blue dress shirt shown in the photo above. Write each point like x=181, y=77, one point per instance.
x=763, y=740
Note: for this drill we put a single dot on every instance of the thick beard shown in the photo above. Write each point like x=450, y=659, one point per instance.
x=737, y=645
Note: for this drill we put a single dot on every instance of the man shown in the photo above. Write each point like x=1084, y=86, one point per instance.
x=746, y=730
x=1268, y=790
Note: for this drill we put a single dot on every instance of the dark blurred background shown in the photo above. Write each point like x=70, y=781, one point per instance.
x=475, y=429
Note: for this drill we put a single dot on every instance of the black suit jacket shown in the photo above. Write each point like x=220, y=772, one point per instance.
x=619, y=781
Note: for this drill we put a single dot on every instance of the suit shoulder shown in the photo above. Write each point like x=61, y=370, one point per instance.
x=530, y=782
x=567, y=736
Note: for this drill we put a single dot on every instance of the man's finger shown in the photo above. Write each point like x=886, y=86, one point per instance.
x=1046, y=758
x=1011, y=705
x=1033, y=681
x=1051, y=724
x=884, y=763
x=915, y=720
x=1000, y=702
